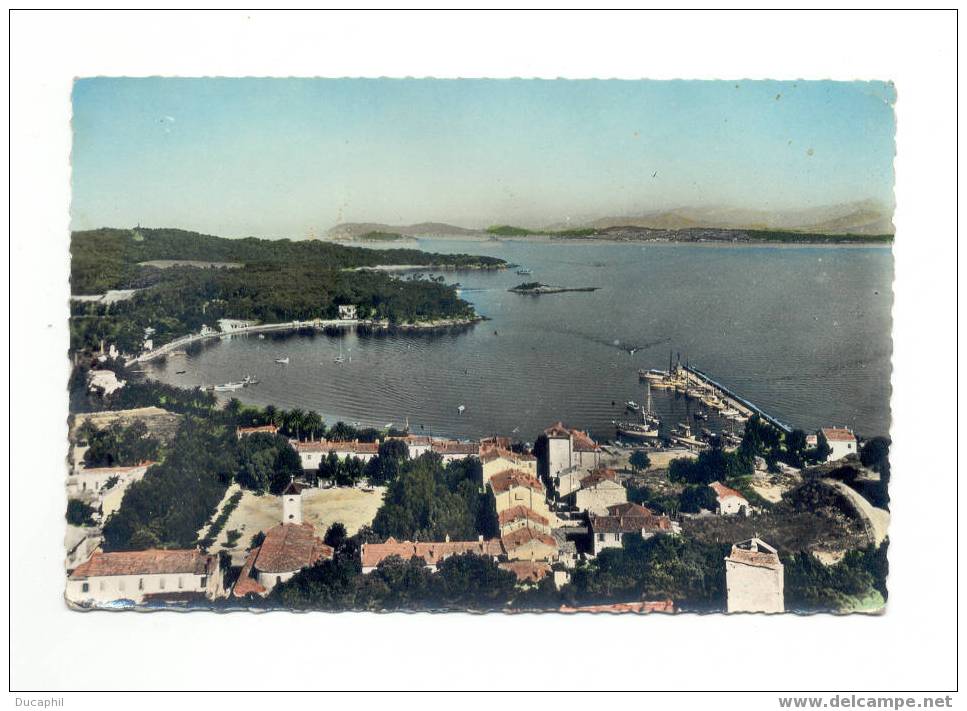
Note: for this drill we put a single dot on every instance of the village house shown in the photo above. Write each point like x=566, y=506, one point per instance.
x=416, y=445
x=528, y=573
x=494, y=460
x=599, y=490
x=569, y=448
x=622, y=519
x=287, y=549
x=141, y=576
x=529, y=544
x=347, y=312
x=841, y=441
x=90, y=482
x=312, y=453
x=754, y=578
x=431, y=552
x=567, y=551
x=729, y=500
x=522, y=517
x=513, y=487
x=257, y=429
x=451, y=450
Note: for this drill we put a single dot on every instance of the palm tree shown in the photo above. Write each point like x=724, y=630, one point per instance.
x=296, y=421
x=312, y=423
x=270, y=413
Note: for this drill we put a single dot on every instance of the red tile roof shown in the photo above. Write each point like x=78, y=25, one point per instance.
x=756, y=553
x=492, y=453
x=460, y=448
x=354, y=446
x=515, y=513
x=247, y=584
x=149, y=562
x=558, y=429
x=432, y=552
x=289, y=547
x=629, y=518
x=598, y=476
x=629, y=509
x=512, y=478
x=522, y=536
x=838, y=434
x=527, y=571
x=724, y=492
x=581, y=441
x=641, y=607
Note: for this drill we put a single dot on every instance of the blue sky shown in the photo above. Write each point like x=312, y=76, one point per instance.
x=293, y=157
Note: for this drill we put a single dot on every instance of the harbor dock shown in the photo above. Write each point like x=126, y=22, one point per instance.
x=731, y=399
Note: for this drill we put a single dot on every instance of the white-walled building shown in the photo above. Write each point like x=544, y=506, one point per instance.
x=286, y=549
x=494, y=460
x=754, y=578
x=622, y=519
x=567, y=448
x=348, y=312
x=312, y=453
x=841, y=441
x=142, y=575
x=730, y=501
x=599, y=490
x=90, y=482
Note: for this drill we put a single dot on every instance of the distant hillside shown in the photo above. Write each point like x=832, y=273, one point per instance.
x=355, y=230
x=858, y=218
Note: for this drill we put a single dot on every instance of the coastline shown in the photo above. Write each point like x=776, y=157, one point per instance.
x=315, y=324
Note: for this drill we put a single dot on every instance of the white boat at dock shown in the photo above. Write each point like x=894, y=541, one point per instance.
x=637, y=430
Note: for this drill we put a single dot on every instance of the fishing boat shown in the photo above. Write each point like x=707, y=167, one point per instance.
x=525, y=272
x=632, y=405
x=460, y=409
x=228, y=387
x=339, y=358
x=652, y=375
x=249, y=380
x=282, y=361
x=682, y=434
x=637, y=430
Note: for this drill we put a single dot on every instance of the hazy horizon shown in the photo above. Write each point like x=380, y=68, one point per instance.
x=294, y=157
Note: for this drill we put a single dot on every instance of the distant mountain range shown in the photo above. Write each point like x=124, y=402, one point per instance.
x=865, y=217
x=859, y=218
x=352, y=230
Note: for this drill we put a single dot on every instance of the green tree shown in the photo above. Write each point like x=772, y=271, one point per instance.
x=639, y=460
x=80, y=513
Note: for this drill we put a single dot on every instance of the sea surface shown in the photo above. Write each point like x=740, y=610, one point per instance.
x=804, y=332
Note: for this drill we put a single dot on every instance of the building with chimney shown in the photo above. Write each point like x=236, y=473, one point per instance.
x=754, y=578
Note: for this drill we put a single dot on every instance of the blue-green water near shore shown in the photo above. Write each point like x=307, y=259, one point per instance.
x=802, y=331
